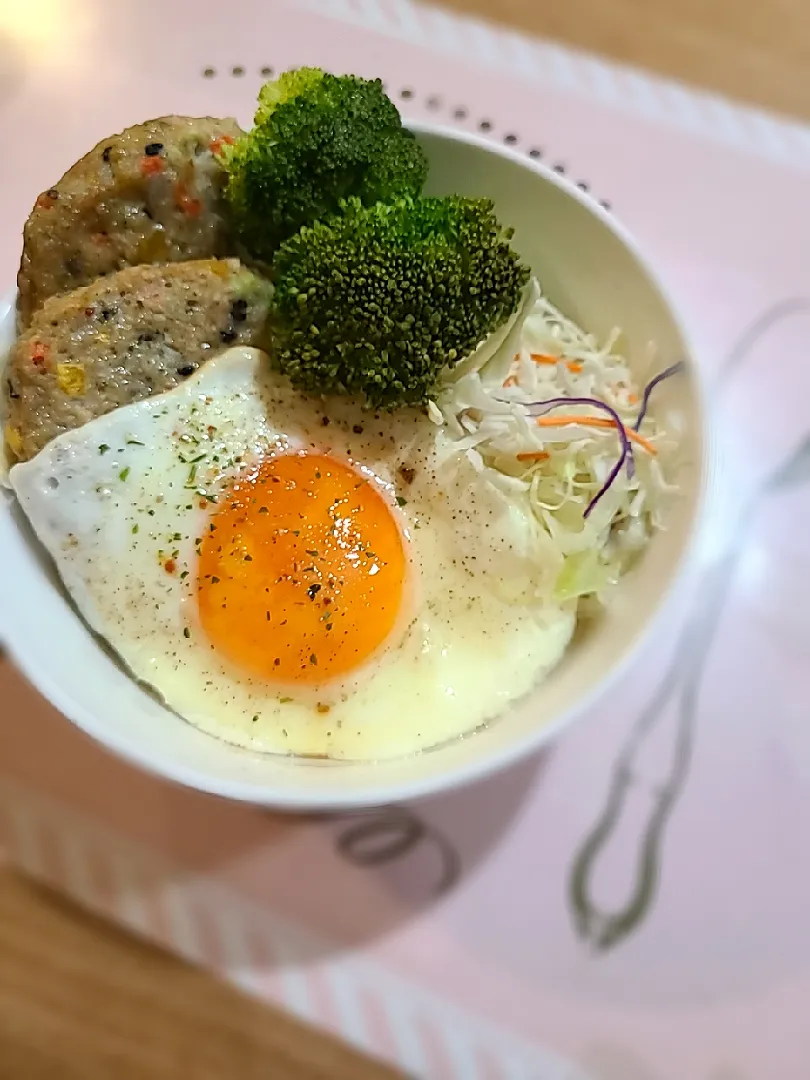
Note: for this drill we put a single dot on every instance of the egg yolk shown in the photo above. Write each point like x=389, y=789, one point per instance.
x=301, y=570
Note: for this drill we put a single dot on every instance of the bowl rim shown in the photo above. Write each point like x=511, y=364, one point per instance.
x=465, y=772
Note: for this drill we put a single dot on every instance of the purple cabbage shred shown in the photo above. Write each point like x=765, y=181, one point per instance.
x=667, y=373
x=626, y=454
x=626, y=451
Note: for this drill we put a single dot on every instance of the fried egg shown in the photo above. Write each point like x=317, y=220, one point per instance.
x=295, y=575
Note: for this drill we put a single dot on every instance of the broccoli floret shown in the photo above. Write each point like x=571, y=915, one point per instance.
x=317, y=139
x=378, y=300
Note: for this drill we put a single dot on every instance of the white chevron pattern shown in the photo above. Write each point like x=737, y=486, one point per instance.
x=426, y=1035
x=665, y=102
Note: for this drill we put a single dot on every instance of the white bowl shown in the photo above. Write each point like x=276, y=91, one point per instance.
x=591, y=269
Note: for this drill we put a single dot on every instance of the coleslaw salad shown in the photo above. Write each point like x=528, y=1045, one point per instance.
x=557, y=422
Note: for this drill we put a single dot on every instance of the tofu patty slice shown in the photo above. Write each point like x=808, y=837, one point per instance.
x=127, y=336
x=151, y=194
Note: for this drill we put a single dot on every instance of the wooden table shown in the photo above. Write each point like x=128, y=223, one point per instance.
x=759, y=52
x=79, y=999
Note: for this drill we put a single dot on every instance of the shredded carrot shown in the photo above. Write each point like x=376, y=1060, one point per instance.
x=632, y=399
x=533, y=455
x=574, y=366
x=559, y=420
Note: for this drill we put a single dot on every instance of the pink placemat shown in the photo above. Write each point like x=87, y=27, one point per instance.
x=632, y=905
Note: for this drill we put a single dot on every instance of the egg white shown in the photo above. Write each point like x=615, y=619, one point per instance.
x=113, y=500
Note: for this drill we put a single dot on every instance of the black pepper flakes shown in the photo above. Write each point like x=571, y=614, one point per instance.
x=186, y=369
x=239, y=310
x=152, y=149
x=105, y=154
x=227, y=335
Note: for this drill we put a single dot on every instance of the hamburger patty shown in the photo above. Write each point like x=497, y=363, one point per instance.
x=152, y=194
x=129, y=335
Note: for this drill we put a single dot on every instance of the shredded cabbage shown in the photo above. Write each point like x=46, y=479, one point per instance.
x=487, y=410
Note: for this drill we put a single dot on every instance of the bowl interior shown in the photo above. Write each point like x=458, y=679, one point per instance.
x=588, y=269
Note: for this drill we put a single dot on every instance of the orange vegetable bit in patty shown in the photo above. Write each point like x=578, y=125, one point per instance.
x=151, y=166
x=47, y=199
x=39, y=354
x=216, y=144
x=185, y=201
